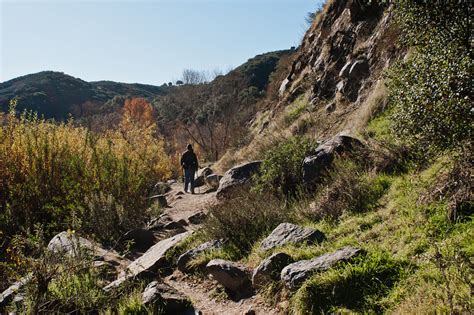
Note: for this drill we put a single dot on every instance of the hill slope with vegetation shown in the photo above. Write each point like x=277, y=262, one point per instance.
x=357, y=198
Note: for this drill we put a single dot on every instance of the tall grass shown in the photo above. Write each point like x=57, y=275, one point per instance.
x=60, y=175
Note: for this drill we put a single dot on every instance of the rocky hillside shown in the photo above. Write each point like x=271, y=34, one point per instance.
x=335, y=82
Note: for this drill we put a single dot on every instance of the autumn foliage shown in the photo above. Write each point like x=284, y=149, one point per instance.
x=139, y=110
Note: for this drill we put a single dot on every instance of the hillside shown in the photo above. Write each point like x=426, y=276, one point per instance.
x=338, y=179
x=55, y=94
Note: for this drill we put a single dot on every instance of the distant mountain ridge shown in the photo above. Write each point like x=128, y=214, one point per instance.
x=54, y=94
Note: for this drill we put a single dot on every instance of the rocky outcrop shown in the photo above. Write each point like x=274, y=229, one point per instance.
x=230, y=275
x=295, y=274
x=185, y=258
x=150, y=261
x=163, y=299
x=343, y=53
x=315, y=164
x=270, y=268
x=290, y=233
x=237, y=177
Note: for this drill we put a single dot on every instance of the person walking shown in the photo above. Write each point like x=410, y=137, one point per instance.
x=189, y=163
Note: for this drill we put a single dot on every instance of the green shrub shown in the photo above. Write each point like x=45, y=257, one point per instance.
x=359, y=286
x=281, y=170
x=431, y=90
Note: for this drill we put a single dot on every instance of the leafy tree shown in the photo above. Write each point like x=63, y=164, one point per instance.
x=431, y=90
x=139, y=111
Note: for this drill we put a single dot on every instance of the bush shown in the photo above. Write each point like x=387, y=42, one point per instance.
x=431, y=91
x=359, y=286
x=245, y=219
x=281, y=170
x=60, y=175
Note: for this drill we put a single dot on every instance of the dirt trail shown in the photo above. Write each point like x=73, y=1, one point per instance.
x=199, y=290
x=183, y=205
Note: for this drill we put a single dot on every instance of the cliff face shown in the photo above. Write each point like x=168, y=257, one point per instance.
x=342, y=54
x=335, y=81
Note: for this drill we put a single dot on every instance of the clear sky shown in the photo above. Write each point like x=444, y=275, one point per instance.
x=143, y=41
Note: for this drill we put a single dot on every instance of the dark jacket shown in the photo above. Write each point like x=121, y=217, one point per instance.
x=189, y=160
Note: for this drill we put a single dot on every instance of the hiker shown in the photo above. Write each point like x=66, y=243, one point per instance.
x=189, y=163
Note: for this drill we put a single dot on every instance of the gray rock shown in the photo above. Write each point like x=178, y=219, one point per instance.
x=72, y=245
x=204, y=172
x=164, y=221
x=185, y=258
x=270, y=268
x=290, y=233
x=164, y=298
x=294, y=275
x=315, y=164
x=213, y=181
x=11, y=292
x=230, y=275
x=359, y=69
x=237, y=177
x=150, y=261
x=160, y=199
x=197, y=218
x=141, y=239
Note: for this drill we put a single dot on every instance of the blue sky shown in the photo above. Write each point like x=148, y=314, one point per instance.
x=143, y=41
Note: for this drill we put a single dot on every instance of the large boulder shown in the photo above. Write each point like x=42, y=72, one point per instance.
x=321, y=159
x=291, y=233
x=163, y=299
x=69, y=243
x=230, y=275
x=185, y=258
x=270, y=268
x=237, y=177
x=150, y=262
x=295, y=274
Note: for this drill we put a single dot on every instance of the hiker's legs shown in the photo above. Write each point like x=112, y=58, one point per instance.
x=191, y=180
x=186, y=180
